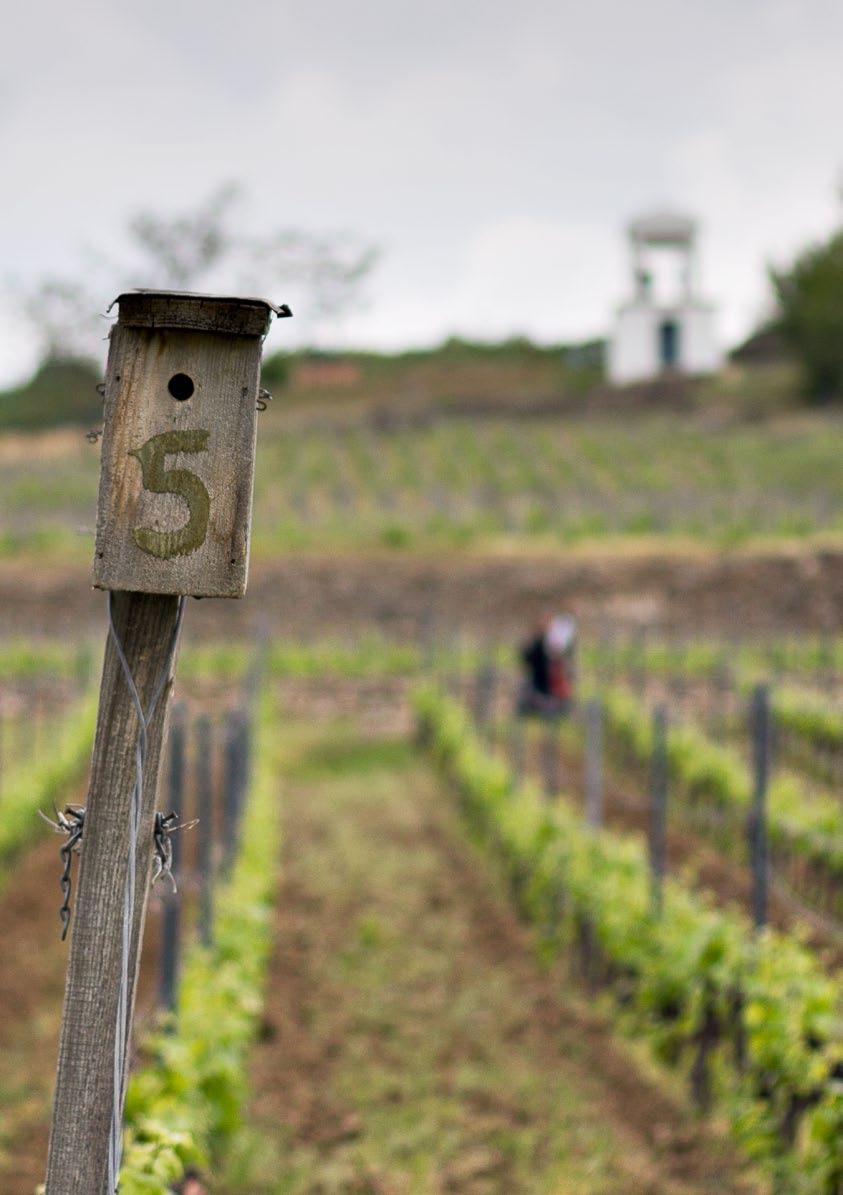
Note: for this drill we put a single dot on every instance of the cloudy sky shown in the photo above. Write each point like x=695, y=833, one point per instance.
x=493, y=150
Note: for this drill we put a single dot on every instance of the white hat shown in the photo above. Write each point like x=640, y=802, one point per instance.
x=560, y=634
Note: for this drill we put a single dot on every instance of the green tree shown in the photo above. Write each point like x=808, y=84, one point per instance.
x=810, y=301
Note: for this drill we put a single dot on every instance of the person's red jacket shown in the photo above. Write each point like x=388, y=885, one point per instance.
x=560, y=682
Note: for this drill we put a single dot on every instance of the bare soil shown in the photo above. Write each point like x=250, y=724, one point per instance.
x=309, y=596
x=31, y=988
x=413, y=1042
x=32, y=969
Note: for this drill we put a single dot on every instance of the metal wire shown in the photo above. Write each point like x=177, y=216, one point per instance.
x=166, y=824
x=121, y=1028
x=71, y=823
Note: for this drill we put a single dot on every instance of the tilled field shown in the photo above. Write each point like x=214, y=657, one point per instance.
x=315, y=596
x=412, y=1041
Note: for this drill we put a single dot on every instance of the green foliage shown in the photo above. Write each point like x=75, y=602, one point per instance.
x=803, y=712
x=275, y=372
x=673, y=975
x=492, y=482
x=21, y=658
x=61, y=392
x=700, y=769
x=367, y=655
x=808, y=715
x=811, y=315
x=45, y=783
x=185, y=1105
x=800, y=657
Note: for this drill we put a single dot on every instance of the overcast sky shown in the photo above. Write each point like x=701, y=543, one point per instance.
x=493, y=150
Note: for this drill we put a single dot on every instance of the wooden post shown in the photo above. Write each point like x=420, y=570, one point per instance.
x=233, y=784
x=427, y=638
x=518, y=749
x=550, y=758
x=762, y=750
x=205, y=829
x=78, y=1154
x=594, y=762
x=173, y=520
x=484, y=695
x=658, y=807
x=171, y=921
x=459, y=662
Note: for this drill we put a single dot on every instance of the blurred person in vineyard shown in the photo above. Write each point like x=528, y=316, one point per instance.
x=548, y=659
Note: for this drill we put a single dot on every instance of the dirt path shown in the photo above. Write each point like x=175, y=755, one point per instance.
x=32, y=970
x=412, y=1042
x=31, y=987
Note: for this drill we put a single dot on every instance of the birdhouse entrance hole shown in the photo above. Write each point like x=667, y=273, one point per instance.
x=181, y=387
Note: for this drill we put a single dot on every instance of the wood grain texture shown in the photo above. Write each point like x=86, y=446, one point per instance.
x=148, y=540
x=204, y=313
x=78, y=1151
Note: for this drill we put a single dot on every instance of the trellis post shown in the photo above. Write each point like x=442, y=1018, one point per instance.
x=171, y=919
x=594, y=762
x=205, y=830
x=762, y=733
x=173, y=520
x=658, y=808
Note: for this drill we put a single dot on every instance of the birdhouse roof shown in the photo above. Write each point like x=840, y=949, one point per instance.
x=188, y=310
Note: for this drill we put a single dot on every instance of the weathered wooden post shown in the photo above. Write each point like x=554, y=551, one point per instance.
x=205, y=844
x=233, y=776
x=550, y=758
x=427, y=638
x=485, y=685
x=762, y=735
x=518, y=749
x=658, y=808
x=594, y=762
x=173, y=520
x=171, y=919
x=459, y=664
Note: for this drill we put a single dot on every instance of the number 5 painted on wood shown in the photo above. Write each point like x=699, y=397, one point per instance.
x=160, y=480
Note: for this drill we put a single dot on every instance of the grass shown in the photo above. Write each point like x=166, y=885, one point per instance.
x=408, y=1059
x=488, y=482
x=553, y=482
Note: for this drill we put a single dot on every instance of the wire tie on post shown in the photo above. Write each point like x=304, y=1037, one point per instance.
x=70, y=822
x=165, y=825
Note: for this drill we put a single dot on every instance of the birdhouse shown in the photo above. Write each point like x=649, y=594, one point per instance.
x=178, y=450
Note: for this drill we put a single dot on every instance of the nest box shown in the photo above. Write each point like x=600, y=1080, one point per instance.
x=178, y=449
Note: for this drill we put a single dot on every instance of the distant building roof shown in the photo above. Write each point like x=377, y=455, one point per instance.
x=765, y=346
x=663, y=228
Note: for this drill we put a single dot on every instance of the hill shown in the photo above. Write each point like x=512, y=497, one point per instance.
x=61, y=393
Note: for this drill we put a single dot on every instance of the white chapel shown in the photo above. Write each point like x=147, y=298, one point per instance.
x=666, y=327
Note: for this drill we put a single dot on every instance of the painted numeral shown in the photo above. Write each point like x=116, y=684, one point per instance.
x=186, y=485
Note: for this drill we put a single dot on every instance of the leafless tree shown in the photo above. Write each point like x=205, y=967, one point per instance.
x=203, y=248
